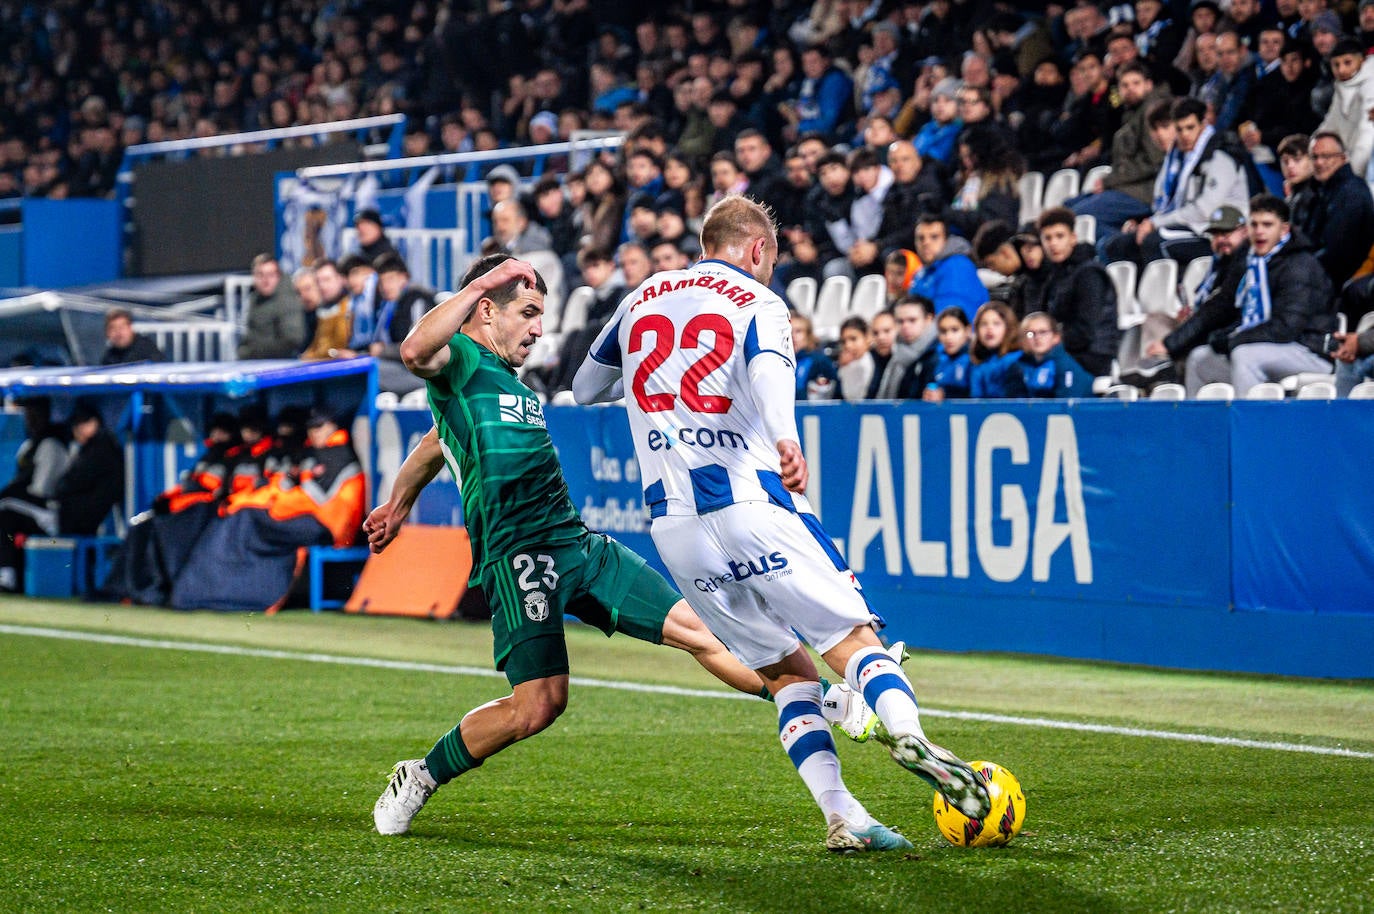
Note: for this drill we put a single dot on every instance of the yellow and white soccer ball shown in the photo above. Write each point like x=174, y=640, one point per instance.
x=1000, y=826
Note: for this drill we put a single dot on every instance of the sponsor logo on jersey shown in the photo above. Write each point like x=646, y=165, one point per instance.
x=697, y=437
x=520, y=409
x=769, y=567
x=536, y=606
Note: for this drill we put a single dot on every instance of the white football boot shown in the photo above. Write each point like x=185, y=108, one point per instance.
x=410, y=786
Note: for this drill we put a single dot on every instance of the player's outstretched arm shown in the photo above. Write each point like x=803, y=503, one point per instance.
x=417, y=471
x=425, y=349
x=599, y=379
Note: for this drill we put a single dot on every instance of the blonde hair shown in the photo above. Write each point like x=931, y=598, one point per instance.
x=735, y=220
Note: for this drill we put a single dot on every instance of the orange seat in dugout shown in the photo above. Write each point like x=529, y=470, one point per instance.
x=390, y=586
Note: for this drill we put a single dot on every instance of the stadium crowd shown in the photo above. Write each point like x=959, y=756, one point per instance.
x=887, y=137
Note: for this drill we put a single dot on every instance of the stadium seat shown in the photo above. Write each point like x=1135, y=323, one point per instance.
x=1317, y=390
x=1032, y=191
x=1217, y=390
x=575, y=309
x=1362, y=391
x=1085, y=227
x=801, y=292
x=832, y=307
x=1169, y=392
x=1157, y=290
x=1123, y=274
x=1096, y=173
x=870, y=294
x=1266, y=390
x=1062, y=185
x=1295, y=382
x=1123, y=392
x=1193, y=275
x=387, y=400
x=417, y=397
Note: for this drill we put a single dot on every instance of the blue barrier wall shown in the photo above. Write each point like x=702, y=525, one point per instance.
x=11, y=255
x=70, y=242
x=1196, y=535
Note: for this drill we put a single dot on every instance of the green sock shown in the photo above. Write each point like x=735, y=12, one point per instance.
x=450, y=758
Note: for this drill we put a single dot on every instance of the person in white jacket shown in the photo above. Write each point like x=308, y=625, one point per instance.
x=1348, y=116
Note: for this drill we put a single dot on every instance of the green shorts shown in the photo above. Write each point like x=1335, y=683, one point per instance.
x=596, y=579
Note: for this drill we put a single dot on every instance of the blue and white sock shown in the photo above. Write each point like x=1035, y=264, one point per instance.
x=883, y=684
x=806, y=737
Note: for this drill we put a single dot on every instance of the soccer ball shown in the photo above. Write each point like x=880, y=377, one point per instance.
x=1000, y=826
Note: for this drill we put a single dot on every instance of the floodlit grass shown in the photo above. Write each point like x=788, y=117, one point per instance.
x=140, y=779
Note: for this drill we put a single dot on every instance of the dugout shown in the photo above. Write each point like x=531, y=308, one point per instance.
x=160, y=411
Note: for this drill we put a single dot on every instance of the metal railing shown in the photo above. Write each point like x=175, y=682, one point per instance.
x=193, y=341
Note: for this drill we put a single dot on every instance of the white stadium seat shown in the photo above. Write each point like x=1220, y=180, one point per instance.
x=832, y=307
x=1123, y=274
x=1362, y=391
x=1032, y=190
x=575, y=309
x=801, y=292
x=1169, y=392
x=1123, y=392
x=1317, y=390
x=1266, y=390
x=870, y=294
x=1157, y=290
x=1193, y=275
x=1062, y=185
x=1217, y=390
x=1085, y=227
x=1094, y=174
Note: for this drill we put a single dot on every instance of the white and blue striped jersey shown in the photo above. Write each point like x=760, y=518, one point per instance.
x=706, y=362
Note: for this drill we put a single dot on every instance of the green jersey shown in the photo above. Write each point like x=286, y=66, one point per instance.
x=491, y=430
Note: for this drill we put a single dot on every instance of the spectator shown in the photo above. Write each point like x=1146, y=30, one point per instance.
x=1158, y=36
x=1046, y=369
x=1201, y=173
x=1354, y=357
x=1079, y=295
x=724, y=114
x=1364, y=33
x=1299, y=185
x=939, y=136
x=276, y=321
x=976, y=110
x=1136, y=155
x=361, y=280
x=995, y=356
x=990, y=171
x=824, y=100
x=1348, y=116
x=333, y=317
x=916, y=188
x=1342, y=226
x=598, y=270
x=1094, y=114
x=555, y=213
x=632, y=260
x=644, y=176
x=123, y=345
x=1282, y=101
x=1001, y=269
x=372, y=240
x=1213, y=306
x=515, y=233
x=872, y=181
x=602, y=213
x=952, y=366
x=882, y=332
x=1280, y=315
x=1228, y=90
x=914, y=352
x=24, y=501
x=761, y=167
x=90, y=483
x=855, y=368
x=666, y=255
x=726, y=178
x=671, y=226
x=827, y=224
x=308, y=291
x=816, y=375
x=947, y=276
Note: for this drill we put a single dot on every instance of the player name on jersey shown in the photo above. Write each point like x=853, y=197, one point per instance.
x=704, y=281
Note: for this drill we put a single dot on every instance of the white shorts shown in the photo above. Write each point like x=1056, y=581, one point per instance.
x=758, y=576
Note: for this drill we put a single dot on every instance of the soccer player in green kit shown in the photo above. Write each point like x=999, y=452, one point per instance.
x=535, y=559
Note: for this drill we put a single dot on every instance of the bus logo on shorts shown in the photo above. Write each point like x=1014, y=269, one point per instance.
x=536, y=606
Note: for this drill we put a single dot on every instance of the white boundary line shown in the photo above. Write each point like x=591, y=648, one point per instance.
x=454, y=670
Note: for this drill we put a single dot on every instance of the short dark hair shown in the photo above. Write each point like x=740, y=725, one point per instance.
x=1159, y=113
x=1268, y=203
x=864, y=157
x=1294, y=145
x=1328, y=135
x=352, y=262
x=1134, y=66
x=506, y=293
x=1055, y=215
x=1346, y=46
x=390, y=263
x=1188, y=106
x=919, y=301
x=931, y=219
x=989, y=237
x=749, y=133
x=831, y=158
x=118, y=314
x=854, y=323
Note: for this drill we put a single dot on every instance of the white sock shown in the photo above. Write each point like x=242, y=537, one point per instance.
x=806, y=737
x=883, y=684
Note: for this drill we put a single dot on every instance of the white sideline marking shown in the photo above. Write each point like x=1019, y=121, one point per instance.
x=455, y=670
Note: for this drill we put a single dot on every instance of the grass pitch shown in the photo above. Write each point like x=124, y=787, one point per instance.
x=141, y=778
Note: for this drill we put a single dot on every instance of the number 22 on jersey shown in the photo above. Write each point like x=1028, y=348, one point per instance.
x=665, y=340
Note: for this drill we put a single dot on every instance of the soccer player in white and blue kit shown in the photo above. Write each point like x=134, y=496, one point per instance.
x=703, y=358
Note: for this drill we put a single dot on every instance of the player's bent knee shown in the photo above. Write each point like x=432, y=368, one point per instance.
x=537, y=707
